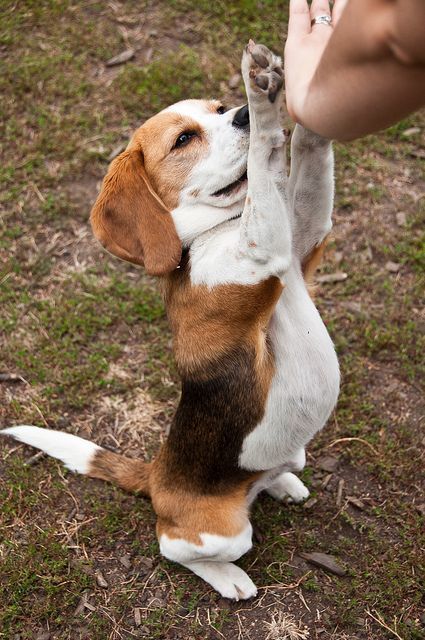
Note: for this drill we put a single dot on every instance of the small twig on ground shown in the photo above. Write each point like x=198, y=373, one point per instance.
x=339, y=492
x=381, y=622
x=11, y=377
x=282, y=585
x=212, y=626
x=301, y=597
x=35, y=458
x=338, y=513
x=40, y=414
x=11, y=452
x=37, y=192
x=332, y=444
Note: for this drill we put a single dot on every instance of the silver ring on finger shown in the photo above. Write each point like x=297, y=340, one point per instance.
x=322, y=19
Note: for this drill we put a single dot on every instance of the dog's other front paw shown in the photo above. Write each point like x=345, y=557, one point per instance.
x=262, y=71
x=288, y=487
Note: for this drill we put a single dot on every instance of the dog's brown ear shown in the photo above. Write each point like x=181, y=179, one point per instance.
x=129, y=219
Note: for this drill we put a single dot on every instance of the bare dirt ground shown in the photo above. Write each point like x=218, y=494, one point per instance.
x=88, y=342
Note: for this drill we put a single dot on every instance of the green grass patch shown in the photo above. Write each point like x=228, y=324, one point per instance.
x=173, y=77
x=79, y=332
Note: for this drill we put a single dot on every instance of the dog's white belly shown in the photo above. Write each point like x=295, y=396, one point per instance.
x=305, y=386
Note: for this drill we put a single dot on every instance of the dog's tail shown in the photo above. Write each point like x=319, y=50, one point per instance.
x=85, y=457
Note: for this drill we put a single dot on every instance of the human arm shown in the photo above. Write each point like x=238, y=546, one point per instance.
x=361, y=75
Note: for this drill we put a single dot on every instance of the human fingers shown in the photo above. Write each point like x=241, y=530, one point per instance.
x=321, y=22
x=299, y=19
x=320, y=8
x=338, y=8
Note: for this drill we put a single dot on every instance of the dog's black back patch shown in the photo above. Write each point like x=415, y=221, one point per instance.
x=216, y=411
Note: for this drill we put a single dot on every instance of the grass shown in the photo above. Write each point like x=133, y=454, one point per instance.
x=171, y=78
x=89, y=336
x=70, y=350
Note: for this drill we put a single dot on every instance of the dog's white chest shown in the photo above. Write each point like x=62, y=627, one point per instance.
x=305, y=386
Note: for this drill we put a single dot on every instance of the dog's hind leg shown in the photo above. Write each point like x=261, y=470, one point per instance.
x=226, y=578
x=210, y=557
x=211, y=560
x=205, y=533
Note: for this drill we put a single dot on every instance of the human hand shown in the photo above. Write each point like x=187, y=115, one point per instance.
x=304, y=47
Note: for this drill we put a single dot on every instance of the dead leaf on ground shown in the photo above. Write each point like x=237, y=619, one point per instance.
x=327, y=463
x=121, y=58
x=329, y=278
x=100, y=579
x=355, y=502
x=417, y=153
x=310, y=503
x=11, y=377
x=125, y=560
x=324, y=561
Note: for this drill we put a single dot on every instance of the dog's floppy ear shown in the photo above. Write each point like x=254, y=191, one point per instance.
x=129, y=219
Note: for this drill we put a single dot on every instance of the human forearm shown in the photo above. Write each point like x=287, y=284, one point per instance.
x=370, y=74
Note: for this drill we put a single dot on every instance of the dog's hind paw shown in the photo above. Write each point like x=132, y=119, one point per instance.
x=226, y=578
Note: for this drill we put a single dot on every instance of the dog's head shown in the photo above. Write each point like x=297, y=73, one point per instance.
x=183, y=172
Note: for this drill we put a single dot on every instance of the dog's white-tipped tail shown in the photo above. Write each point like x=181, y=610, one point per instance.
x=76, y=453
x=86, y=457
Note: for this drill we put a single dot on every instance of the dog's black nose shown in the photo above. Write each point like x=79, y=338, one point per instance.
x=241, y=118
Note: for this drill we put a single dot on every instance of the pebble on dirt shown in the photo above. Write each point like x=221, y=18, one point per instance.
x=392, y=267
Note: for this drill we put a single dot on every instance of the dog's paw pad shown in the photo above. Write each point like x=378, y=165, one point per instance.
x=259, y=54
x=271, y=83
x=262, y=70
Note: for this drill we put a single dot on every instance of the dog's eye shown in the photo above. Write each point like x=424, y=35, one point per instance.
x=221, y=109
x=184, y=138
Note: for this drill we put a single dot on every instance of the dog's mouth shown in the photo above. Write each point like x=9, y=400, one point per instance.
x=232, y=187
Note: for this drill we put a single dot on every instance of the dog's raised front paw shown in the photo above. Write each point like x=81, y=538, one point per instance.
x=262, y=70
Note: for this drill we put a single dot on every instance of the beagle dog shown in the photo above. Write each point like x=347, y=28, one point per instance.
x=202, y=199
